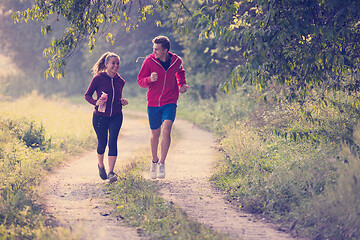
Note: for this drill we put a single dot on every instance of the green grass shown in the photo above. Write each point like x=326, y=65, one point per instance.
x=36, y=135
x=138, y=203
x=300, y=173
x=309, y=184
x=217, y=115
x=67, y=125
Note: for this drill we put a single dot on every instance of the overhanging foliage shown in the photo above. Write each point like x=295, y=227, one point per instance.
x=86, y=18
x=297, y=44
x=294, y=46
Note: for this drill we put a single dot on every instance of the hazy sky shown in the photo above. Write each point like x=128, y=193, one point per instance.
x=6, y=67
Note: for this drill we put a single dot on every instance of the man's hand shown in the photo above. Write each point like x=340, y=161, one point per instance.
x=153, y=77
x=183, y=88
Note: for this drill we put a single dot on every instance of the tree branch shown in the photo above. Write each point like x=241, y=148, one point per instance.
x=187, y=10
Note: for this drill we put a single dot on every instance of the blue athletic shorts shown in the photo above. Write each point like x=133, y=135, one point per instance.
x=158, y=114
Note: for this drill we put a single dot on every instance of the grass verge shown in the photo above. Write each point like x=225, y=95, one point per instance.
x=36, y=135
x=36, y=138
x=296, y=165
x=137, y=202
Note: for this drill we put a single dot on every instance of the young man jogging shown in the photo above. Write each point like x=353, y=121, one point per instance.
x=163, y=74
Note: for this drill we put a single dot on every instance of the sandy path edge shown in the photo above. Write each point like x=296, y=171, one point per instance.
x=188, y=168
x=74, y=193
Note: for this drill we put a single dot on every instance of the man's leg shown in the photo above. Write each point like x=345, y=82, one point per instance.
x=154, y=143
x=166, y=139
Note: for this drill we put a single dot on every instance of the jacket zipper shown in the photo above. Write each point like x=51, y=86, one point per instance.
x=164, y=78
x=113, y=96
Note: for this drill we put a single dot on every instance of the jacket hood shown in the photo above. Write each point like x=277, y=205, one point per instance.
x=104, y=74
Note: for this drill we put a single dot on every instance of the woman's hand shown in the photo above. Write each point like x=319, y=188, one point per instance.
x=124, y=102
x=100, y=101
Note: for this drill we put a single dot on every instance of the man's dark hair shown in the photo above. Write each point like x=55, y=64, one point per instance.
x=164, y=41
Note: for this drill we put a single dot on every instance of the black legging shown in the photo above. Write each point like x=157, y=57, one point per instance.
x=103, y=126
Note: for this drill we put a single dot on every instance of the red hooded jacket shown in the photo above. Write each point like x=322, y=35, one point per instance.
x=166, y=89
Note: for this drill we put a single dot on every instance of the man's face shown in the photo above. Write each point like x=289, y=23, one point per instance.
x=159, y=52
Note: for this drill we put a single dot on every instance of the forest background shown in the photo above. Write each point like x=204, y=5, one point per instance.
x=276, y=81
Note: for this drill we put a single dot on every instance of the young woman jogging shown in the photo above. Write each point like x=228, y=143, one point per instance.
x=107, y=116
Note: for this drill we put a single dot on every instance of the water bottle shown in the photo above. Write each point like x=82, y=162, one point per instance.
x=102, y=107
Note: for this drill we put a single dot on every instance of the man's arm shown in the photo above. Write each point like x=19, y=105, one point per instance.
x=180, y=76
x=144, y=79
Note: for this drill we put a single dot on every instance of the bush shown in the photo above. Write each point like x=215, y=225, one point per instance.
x=217, y=114
x=275, y=175
x=27, y=131
x=27, y=154
x=335, y=214
x=287, y=161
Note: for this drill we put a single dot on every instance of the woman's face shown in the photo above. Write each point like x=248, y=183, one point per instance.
x=112, y=65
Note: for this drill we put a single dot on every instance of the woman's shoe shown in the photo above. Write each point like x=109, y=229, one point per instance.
x=102, y=173
x=112, y=177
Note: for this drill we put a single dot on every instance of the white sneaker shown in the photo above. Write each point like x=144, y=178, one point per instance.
x=161, y=171
x=153, y=169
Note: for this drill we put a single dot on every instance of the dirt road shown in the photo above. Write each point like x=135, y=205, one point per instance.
x=75, y=197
